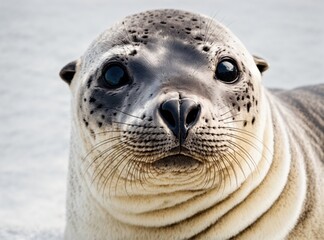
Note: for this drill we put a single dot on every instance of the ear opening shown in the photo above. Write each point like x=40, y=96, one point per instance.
x=261, y=64
x=68, y=71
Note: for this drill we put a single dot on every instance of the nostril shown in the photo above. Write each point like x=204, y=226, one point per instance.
x=192, y=115
x=168, y=117
x=169, y=111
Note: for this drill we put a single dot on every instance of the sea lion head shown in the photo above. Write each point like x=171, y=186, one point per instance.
x=163, y=102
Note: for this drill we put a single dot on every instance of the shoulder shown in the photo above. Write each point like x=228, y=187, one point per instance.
x=307, y=105
x=308, y=101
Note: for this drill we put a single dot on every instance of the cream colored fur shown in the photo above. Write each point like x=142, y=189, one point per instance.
x=281, y=198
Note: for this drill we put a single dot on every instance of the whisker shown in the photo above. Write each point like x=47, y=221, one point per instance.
x=110, y=131
x=249, y=134
x=238, y=163
x=134, y=125
x=247, y=154
x=234, y=121
x=115, y=148
x=121, y=172
x=217, y=169
x=229, y=111
x=245, y=140
x=117, y=155
x=143, y=171
x=224, y=157
x=109, y=140
x=124, y=131
x=220, y=120
x=133, y=170
x=125, y=113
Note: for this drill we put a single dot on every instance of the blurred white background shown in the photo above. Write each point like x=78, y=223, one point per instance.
x=38, y=37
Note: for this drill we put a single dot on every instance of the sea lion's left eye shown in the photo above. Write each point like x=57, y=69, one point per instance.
x=115, y=75
x=227, y=71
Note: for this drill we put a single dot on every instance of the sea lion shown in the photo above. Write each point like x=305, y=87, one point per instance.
x=174, y=137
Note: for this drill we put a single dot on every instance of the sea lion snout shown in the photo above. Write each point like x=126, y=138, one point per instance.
x=180, y=115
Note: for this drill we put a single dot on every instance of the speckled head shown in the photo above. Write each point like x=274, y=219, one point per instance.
x=163, y=97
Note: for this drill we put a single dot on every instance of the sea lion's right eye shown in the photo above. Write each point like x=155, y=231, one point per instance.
x=115, y=75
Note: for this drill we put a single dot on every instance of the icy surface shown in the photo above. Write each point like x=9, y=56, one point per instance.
x=38, y=37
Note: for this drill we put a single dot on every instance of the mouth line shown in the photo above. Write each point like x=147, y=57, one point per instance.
x=177, y=161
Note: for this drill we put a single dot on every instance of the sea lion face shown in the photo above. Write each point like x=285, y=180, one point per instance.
x=166, y=101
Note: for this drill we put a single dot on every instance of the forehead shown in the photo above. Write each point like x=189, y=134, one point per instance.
x=169, y=34
x=176, y=24
x=164, y=25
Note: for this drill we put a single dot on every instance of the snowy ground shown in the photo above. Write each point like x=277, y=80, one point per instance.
x=38, y=37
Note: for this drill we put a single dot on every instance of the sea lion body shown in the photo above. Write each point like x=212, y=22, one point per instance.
x=174, y=137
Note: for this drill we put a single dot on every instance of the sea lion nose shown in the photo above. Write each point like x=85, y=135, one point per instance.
x=180, y=115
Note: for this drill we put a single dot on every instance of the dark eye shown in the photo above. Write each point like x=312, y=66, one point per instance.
x=227, y=71
x=115, y=75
